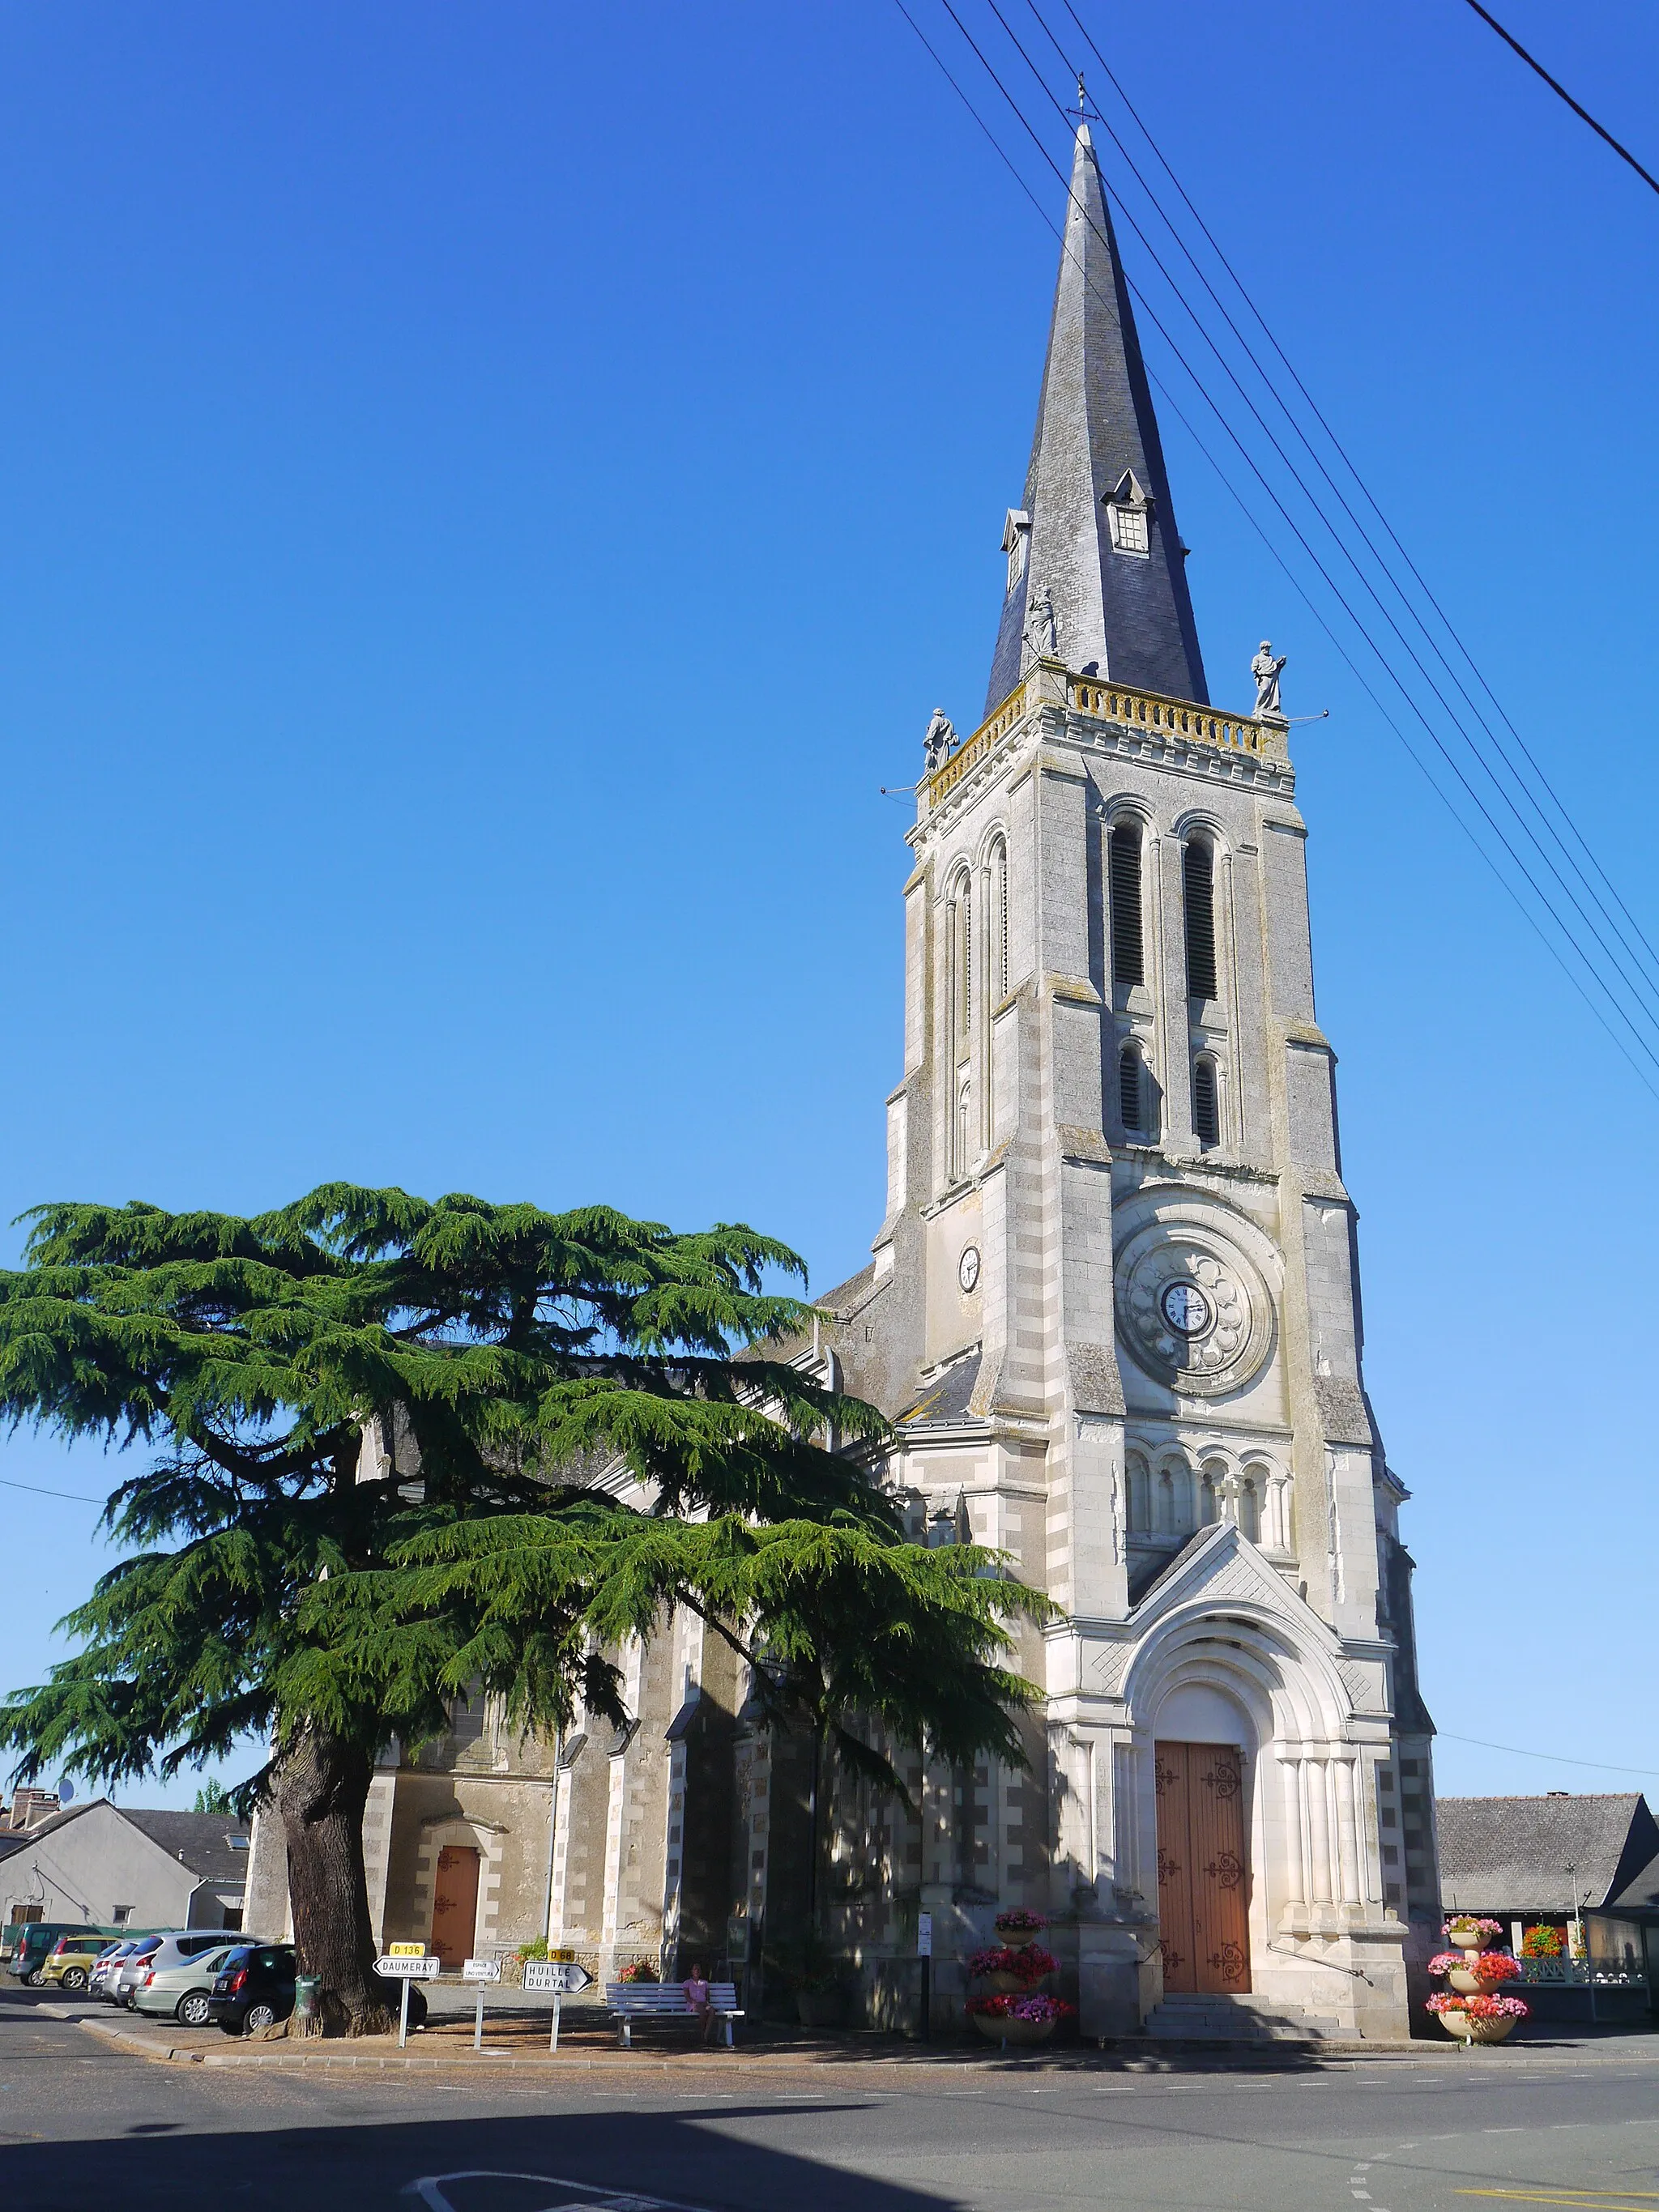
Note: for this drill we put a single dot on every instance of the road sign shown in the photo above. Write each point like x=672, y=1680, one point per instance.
x=406, y=1950
x=405, y=1969
x=482, y=1970
x=562, y=1976
x=562, y=1954
x=924, y=1935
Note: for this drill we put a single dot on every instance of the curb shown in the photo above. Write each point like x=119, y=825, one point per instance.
x=1229, y=2057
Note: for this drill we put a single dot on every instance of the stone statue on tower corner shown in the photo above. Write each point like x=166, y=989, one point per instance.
x=1267, y=671
x=941, y=735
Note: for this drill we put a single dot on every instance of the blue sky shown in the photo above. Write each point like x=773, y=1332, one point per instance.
x=491, y=493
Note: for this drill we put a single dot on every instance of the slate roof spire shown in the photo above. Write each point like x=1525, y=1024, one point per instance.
x=1097, y=532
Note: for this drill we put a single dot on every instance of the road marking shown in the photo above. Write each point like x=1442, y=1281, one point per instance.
x=429, y=2189
x=1598, y=2200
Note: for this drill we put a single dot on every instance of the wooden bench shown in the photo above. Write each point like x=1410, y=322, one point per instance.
x=632, y=2001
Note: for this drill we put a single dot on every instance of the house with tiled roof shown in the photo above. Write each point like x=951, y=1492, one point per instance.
x=117, y=1866
x=1586, y=1866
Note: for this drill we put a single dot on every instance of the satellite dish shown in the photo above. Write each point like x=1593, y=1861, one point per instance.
x=65, y=1790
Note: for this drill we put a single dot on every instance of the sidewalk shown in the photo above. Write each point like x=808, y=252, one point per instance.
x=518, y=2045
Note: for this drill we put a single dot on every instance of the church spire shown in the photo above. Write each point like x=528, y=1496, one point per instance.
x=1095, y=567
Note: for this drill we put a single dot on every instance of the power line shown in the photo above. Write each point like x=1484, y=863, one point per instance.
x=75, y=1497
x=1635, y=949
x=1639, y=987
x=1590, y=965
x=1555, y=1758
x=1556, y=87
x=1643, y=946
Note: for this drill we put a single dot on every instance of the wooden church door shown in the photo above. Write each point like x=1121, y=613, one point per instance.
x=1202, y=1869
x=455, y=1905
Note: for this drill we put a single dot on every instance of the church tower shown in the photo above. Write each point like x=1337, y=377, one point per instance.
x=1114, y=1305
x=1113, y=1313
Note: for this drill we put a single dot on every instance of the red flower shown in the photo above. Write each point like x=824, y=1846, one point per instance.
x=1030, y=1964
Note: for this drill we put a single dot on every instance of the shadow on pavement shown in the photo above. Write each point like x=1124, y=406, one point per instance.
x=621, y=2162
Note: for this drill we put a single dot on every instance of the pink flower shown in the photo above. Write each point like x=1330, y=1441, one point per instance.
x=1035, y=2008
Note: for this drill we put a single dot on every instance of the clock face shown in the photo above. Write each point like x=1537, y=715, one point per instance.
x=968, y=1267
x=1186, y=1309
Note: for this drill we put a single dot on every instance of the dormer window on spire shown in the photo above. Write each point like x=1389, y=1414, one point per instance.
x=1130, y=507
x=1016, y=543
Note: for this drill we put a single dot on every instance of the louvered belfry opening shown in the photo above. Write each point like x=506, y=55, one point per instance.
x=1198, y=889
x=1129, y=950
x=1206, y=1108
x=1128, y=1087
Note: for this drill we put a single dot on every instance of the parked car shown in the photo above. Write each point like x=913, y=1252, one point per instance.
x=32, y=1942
x=254, y=1990
x=68, y=1964
x=183, y=1988
x=107, y=1964
x=119, y=1987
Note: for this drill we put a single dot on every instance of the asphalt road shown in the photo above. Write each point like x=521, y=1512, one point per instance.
x=83, y=2126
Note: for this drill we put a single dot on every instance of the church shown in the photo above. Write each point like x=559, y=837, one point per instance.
x=1113, y=1310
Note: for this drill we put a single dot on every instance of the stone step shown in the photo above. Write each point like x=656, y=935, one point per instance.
x=1224, y=2018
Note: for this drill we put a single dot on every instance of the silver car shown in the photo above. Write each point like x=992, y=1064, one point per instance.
x=182, y=1989
x=157, y=1952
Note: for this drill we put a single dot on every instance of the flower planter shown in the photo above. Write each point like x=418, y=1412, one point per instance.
x=1469, y=1935
x=1465, y=1979
x=1469, y=2027
x=998, y=2030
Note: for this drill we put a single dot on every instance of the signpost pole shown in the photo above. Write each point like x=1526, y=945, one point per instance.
x=478, y=2019
x=554, y=2044
x=403, y=2016
x=925, y=1952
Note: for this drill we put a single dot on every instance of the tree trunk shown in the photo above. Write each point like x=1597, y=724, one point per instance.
x=320, y=1786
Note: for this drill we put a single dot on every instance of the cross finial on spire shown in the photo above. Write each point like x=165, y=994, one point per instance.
x=1081, y=110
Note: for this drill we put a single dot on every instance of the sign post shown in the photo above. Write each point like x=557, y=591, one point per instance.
x=925, y=1953
x=407, y=1963
x=480, y=1971
x=563, y=1978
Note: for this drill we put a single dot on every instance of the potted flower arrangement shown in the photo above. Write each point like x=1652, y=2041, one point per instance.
x=639, y=1970
x=1477, y=2019
x=1012, y=1969
x=1474, y=1972
x=1470, y=1933
x=1006, y=2017
x=1469, y=2008
x=1542, y=1942
x=1018, y=1926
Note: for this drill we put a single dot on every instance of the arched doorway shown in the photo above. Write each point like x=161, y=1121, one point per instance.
x=1201, y=1779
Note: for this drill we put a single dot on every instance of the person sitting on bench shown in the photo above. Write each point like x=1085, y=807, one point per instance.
x=699, y=2000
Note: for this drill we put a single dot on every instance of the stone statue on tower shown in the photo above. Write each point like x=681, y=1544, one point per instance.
x=941, y=735
x=1267, y=671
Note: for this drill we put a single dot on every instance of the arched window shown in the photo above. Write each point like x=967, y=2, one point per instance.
x=1166, y=1504
x=996, y=934
x=1128, y=1087
x=1206, y=1104
x=1206, y=1501
x=959, y=925
x=1198, y=894
x=1128, y=947
x=1249, y=1510
x=1137, y=1503
x=962, y=962
x=964, y=1125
